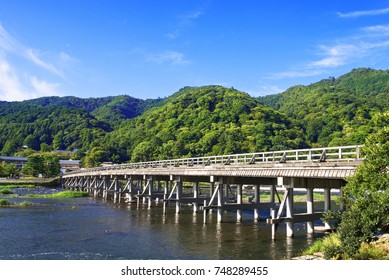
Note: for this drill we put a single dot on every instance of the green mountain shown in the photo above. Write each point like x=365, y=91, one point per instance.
x=200, y=121
x=336, y=111
x=197, y=121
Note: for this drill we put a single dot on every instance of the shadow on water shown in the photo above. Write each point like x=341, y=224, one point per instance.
x=89, y=228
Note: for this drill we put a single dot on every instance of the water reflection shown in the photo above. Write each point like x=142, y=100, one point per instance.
x=89, y=228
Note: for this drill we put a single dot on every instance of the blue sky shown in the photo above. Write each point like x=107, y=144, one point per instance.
x=150, y=49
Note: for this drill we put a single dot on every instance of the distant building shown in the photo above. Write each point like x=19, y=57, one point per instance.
x=69, y=165
x=65, y=165
x=20, y=162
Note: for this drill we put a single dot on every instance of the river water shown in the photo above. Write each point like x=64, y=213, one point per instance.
x=91, y=228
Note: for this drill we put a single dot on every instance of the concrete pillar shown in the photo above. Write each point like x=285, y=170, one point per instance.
x=310, y=209
x=116, y=190
x=289, y=209
x=205, y=212
x=96, y=187
x=211, y=190
x=256, y=201
x=273, y=226
x=165, y=195
x=239, y=201
x=105, y=186
x=327, y=204
x=178, y=195
x=220, y=201
x=195, y=195
x=151, y=190
x=131, y=188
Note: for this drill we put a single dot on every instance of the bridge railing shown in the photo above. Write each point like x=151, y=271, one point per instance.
x=328, y=154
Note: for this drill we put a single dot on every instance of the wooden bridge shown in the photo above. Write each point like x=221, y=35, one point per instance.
x=228, y=182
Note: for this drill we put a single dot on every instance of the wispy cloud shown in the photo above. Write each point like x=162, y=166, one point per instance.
x=35, y=57
x=298, y=73
x=364, y=13
x=17, y=84
x=183, y=23
x=368, y=42
x=169, y=57
x=263, y=90
x=193, y=15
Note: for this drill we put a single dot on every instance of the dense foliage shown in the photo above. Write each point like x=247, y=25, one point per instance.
x=201, y=121
x=367, y=193
x=50, y=123
x=197, y=121
x=338, y=111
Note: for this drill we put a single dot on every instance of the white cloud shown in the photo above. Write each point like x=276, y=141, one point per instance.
x=16, y=83
x=10, y=86
x=170, y=57
x=34, y=57
x=43, y=88
x=183, y=23
x=263, y=90
x=367, y=44
x=364, y=13
x=336, y=55
x=299, y=73
x=193, y=15
x=377, y=30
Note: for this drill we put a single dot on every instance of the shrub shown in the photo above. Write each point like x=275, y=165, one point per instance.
x=4, y=202
x=6, y=191
x=332, y=247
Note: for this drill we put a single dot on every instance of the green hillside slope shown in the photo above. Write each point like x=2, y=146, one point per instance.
x=336, y=111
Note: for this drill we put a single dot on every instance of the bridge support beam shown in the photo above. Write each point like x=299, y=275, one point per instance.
x=327, y=205
x=239, y=200
x=256, y=201
x=220, y=201
x=310, y=210
x=178, y=196
x=195, y=196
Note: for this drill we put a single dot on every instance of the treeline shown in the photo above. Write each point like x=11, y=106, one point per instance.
x=209, y=120
x=197, y=121
x=338, y=111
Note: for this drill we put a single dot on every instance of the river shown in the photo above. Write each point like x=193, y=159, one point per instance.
x=93, y=229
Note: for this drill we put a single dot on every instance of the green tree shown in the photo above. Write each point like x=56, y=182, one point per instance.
x=45, y=164
x=366, y=194
x=8, y=169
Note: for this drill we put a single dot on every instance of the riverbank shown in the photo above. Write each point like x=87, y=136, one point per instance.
x=29, y=182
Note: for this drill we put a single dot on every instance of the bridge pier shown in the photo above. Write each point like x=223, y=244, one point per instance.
x=327, y=205
x=256, y=201
x=239, y=200
x=310, y=209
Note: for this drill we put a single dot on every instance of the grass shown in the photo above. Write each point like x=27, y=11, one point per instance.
x=316, y=247
x=21, y=185
x=6, y=191
x=6, y=203
x=64, y=194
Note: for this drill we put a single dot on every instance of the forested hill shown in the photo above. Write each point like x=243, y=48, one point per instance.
x=208, y=120
x=198, y=121
x=64, y=122
x=336, y=111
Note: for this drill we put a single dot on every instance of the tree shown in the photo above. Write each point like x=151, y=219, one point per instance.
x=45, y=164
x=8, y=169
x=366, y=194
